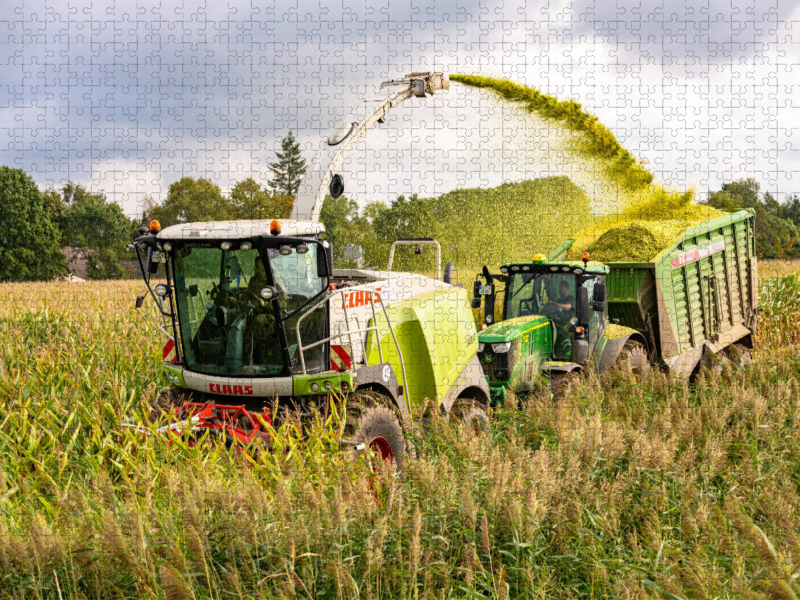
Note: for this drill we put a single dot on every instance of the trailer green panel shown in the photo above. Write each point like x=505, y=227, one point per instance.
x=698, y=293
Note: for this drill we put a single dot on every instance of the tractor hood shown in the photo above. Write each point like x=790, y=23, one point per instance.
x=507, y=331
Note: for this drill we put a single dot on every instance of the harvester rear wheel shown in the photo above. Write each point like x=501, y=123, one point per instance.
x=376, y=427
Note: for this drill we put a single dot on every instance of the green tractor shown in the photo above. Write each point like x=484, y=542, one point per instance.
x=694, y=301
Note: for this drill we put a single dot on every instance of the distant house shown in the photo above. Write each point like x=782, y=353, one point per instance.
x=78, y=264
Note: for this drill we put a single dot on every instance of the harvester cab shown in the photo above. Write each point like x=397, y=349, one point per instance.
x=260, y=326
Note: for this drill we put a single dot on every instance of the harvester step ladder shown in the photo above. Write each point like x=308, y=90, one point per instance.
x=350, y=332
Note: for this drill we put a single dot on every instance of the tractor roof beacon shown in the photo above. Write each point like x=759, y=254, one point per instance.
x=258, y=320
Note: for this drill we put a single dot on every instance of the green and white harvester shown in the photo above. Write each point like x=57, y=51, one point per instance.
x=262, y=328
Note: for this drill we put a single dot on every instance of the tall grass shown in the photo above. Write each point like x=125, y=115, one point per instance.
x=647, y=489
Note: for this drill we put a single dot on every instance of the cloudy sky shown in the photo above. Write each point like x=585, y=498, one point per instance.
x=127, y=97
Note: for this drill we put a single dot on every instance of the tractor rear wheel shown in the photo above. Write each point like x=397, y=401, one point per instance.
x=470, y=413
x=377, y=428
x=632, y=360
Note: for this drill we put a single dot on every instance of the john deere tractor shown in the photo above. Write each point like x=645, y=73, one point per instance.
x=697, y=299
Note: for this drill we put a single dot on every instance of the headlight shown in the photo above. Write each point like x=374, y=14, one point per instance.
x=302, y=249
x=161, y=290
x=481, y=347
x=167, y=246
x=225, y=245
x=245, y=246
x=501, y=348
x=267, y=293
x=285, y=250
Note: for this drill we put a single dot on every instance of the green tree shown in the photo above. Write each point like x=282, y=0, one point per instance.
x=345, y=225
x=29, y=238
x=776, y=229
x=98, y=228
x=191, y=200
x=251, y=201
x=288, y=171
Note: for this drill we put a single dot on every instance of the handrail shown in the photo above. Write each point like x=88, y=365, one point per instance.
x=349, y=333
x=418, y=242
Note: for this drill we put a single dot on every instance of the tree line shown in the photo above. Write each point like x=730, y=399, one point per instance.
x=474, y=226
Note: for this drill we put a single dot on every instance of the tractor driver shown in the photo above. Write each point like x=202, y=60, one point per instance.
x=564, y=301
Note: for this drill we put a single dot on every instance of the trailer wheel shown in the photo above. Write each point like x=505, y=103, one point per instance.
x=376, y=427
x=470, y=413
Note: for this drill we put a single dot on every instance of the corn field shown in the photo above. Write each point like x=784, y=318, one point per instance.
x=636, y=488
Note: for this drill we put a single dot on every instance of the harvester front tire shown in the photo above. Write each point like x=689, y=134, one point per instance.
x=377, y=428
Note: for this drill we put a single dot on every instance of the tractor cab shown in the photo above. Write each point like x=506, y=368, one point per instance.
x=553, y=314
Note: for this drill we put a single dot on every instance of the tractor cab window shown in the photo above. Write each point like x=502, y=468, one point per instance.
x=299, y=287
x=596, y=318
x=227, y=328
x=550, y=294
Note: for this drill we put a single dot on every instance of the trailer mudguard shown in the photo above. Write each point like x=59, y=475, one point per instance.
x=613, y=341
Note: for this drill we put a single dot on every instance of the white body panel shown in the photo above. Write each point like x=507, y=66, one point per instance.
x=237, y=230
x=262, y=387
x=357, y=302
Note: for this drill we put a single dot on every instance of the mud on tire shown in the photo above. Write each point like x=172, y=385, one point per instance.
x=376, y=426
x=631, y=361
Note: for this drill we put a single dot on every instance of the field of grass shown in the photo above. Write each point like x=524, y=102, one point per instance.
x=652, y=489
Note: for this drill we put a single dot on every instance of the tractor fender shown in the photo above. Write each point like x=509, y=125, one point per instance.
x=470, y=383
x=613, y=347
x=382, y=379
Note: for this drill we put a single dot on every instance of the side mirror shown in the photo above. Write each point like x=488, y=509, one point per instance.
x=322, y=261
x=336, y=187
x=598, y=306
x=583, y=306
x=139, y=301
x=599, y=292
x=448, y=273
x=152, y=266
x=476, y=288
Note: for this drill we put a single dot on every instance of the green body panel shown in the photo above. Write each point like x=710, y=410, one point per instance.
x=702, y=289
x=437, y=337
x=531, y=340
x=329, y=380
x=173, y=373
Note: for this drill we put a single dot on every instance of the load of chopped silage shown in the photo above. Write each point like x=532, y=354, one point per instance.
x=643, y=230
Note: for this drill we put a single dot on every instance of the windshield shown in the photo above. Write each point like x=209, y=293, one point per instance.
x=548, y=294
x=227, y=327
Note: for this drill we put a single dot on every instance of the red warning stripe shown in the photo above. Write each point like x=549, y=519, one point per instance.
x=168, y=353
x=340, y=359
